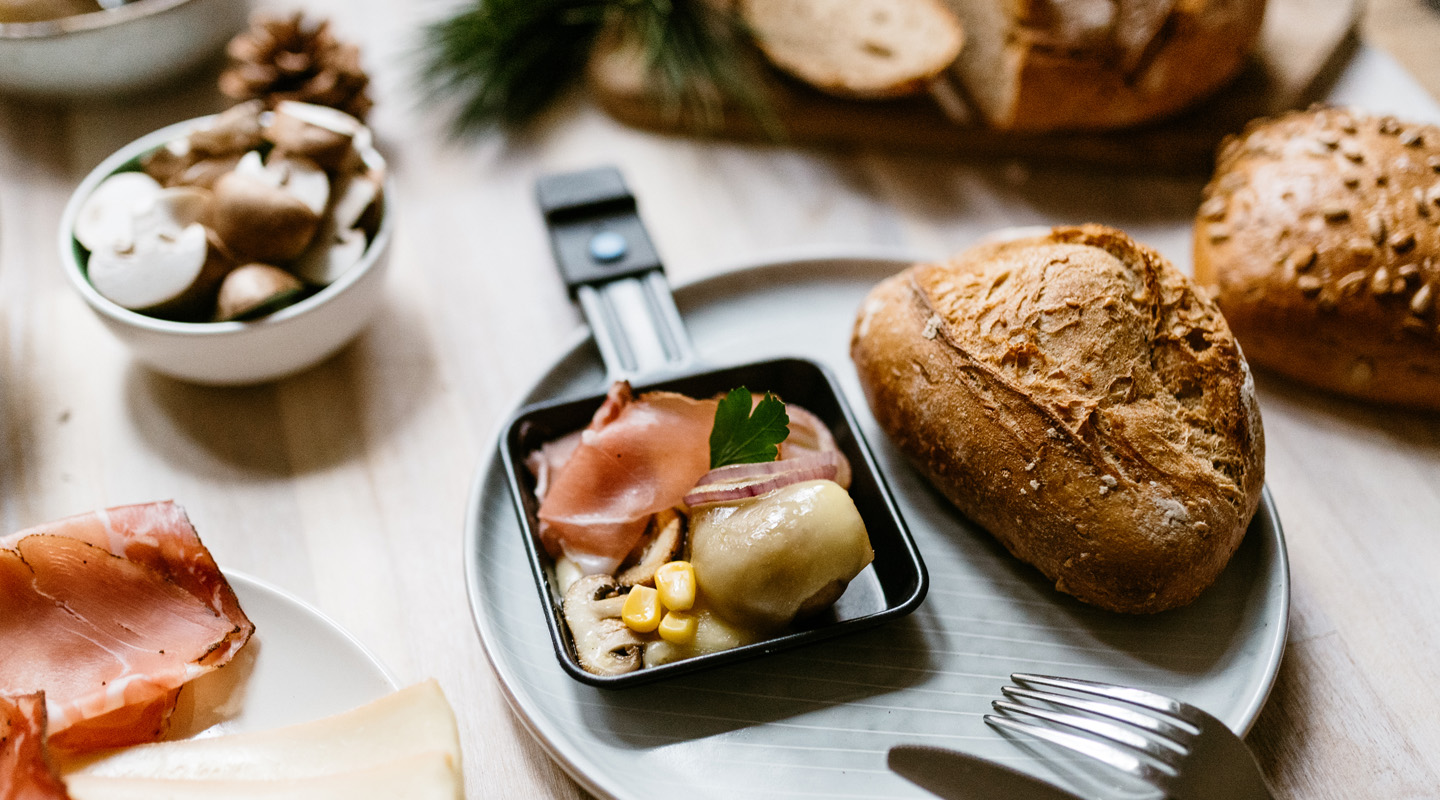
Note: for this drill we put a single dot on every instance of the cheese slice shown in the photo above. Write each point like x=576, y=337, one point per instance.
x=426, y=776
x=409, y=722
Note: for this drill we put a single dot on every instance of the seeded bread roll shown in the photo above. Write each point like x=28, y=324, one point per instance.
x=1319, y=236
x=857, y=48
x=1074, y=395
x=1044, y=65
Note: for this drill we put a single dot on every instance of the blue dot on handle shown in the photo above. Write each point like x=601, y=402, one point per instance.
x=608, y=246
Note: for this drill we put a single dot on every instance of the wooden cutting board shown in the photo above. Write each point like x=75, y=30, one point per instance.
x=1302, y=45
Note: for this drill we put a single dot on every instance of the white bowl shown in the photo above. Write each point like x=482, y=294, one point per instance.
x=236, y=353
x=139, y=45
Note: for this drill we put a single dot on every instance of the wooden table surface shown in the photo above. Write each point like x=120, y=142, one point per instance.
x=347, y=484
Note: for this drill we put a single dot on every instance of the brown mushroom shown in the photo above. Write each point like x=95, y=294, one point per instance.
x=202, y=156
x=604, y=644
x=321, y=134
x=295, y=174
x=232, y=132
x=261, y=221
x=664, y=545
x=255, y=289
x=178, y=168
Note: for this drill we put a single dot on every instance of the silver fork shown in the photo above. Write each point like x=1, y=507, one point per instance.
x=1174, y=746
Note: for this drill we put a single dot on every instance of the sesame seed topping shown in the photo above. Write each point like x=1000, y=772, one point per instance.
x=1350, y=281
x=1302, y=258
x=1380, y=282
x=1376, y=224
x=1422, y=301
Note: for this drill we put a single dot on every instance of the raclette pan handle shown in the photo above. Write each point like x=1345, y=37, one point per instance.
x=613, y=271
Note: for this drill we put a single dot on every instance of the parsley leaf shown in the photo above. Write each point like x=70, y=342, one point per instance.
x=741, y=436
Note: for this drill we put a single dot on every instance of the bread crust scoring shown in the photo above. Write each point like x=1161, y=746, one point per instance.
x=1076, y=397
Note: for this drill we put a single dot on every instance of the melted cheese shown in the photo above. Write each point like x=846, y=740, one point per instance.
x=764, y=560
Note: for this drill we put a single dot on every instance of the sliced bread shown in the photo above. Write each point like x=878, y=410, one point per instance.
x=857, y=48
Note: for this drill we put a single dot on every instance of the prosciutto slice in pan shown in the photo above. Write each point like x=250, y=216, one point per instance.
x=110, y=614
x=640, y=455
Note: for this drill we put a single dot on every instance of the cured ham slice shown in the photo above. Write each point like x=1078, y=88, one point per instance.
x=639, y=456
x=25, y=772
x=111, y=613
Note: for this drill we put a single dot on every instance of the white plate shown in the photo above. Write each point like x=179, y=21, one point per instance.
x=817, y=721
x=299, y=666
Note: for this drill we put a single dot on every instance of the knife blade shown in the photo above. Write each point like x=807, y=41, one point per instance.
x=960, y=776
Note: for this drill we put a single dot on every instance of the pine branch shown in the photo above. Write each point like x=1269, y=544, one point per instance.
x=506, y=61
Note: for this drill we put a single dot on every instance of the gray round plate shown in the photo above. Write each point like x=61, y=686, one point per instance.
x=818, y=721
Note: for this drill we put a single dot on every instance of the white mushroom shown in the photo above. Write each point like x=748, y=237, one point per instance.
x=304, y=179
x=251, y=163
x=604, y=644
x=354, y=195
x=255, y=289
x=162, y=272
x=329, y=256
x=148, y=248
x=107, y=217
x=339, y=245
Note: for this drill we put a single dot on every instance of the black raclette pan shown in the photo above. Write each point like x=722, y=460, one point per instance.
x=612, y=270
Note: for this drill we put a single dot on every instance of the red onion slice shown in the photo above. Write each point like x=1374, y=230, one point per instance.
x=799, y=470
x=736, y=472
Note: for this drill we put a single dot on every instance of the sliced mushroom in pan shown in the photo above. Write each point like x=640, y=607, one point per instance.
x=604, y=644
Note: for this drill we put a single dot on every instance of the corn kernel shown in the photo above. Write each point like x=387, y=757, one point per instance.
x=642, y=609
x=678, y=627
x=676, y=583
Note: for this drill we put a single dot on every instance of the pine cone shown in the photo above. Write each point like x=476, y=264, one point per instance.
x=279, y=58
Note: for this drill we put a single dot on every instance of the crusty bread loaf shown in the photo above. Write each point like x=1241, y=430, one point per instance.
x=1320, y=235
x=857, y=48
x=1044, y=65
x=1074, y=395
